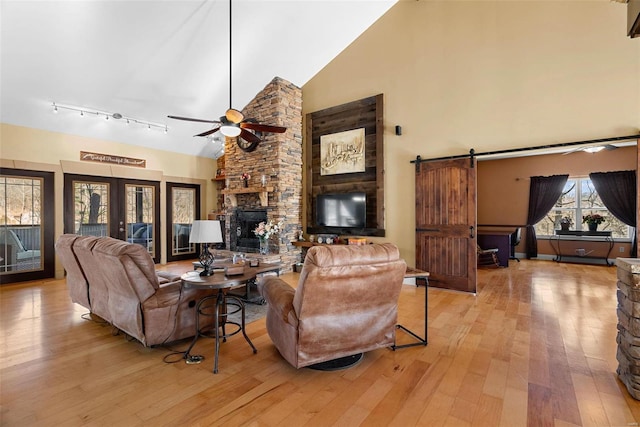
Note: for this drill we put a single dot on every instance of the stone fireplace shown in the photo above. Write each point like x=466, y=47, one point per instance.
x=274, y=190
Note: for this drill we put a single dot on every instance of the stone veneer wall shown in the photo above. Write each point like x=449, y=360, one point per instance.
x=628, y=338
x=279, y=157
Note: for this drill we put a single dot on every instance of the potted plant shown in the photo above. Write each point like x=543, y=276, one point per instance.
x=592, y=221
x=565, y=223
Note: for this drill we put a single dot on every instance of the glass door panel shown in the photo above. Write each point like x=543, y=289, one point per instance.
x=26, y=225
x=20, y=242
x=184, y=205
x=183, y=214
x=140, y=216
x=91, y=208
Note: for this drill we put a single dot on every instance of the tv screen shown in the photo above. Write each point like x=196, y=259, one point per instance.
x=341, y=210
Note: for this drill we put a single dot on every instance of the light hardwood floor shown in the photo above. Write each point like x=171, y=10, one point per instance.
x=535, y=347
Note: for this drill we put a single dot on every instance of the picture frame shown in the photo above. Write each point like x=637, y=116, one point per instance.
x=342, y=152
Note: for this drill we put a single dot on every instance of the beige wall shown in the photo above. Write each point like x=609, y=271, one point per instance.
x=486, y=75
x=26, y=148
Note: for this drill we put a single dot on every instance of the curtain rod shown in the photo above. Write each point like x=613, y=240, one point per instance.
x=518, y=150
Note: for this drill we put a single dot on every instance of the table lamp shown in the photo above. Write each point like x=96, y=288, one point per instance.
x=205, y=232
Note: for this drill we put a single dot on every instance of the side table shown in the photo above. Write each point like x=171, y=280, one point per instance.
x=220, y=284
x=424, y=275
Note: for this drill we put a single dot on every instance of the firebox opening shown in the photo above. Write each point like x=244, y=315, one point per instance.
x=243, y=222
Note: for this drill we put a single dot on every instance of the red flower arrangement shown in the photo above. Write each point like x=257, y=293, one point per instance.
x=593, y=219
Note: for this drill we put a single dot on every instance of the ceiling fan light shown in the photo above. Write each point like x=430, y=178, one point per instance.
x=234, y=115
x=594, y=149
x=230, y=130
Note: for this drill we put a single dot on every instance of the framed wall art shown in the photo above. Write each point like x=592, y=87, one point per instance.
x=342, y=152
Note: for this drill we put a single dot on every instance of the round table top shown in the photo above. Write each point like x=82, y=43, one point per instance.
x=218, y=280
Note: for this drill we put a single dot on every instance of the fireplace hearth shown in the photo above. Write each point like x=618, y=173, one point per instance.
x=243, y=222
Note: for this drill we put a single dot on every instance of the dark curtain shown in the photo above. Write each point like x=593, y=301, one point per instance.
x=617, y=190
x=544, y=192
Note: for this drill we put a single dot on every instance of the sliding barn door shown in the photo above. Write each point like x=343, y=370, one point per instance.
x=446, y=223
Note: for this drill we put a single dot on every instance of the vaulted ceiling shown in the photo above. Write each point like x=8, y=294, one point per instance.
x=150, y=58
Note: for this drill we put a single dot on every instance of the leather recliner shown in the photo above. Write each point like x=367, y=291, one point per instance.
x=346, y=303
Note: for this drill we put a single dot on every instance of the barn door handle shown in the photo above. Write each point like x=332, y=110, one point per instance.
x=471, y=230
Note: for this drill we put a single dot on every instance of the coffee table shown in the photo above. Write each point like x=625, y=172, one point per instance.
x=211, y=306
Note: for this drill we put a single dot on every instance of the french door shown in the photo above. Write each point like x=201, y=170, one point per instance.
x=27, y=220
x=121, y=208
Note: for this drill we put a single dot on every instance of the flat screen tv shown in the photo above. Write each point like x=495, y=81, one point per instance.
x=341, y=210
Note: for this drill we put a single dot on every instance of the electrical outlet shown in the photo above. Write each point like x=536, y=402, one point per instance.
x=621, y=249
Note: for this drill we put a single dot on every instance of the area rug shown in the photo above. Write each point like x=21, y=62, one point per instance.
x=255, y=307
x=252, y=312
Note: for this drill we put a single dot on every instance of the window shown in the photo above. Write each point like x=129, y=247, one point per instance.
x=580, y=198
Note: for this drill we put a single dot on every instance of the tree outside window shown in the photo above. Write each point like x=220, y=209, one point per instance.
x=578, y=199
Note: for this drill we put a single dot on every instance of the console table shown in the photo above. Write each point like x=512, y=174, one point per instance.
x=603, y=237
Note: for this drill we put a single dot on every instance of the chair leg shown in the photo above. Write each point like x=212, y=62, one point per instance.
x=495, y=259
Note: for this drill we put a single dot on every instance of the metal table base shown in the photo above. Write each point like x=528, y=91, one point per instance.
x=417, y=274
x=201, y=310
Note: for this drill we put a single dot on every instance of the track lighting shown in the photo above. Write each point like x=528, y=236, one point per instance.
x=107, y=116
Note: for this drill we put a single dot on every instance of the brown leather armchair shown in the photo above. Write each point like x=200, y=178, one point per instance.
x=346, y=303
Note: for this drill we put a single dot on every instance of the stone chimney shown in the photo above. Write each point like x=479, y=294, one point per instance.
x=278, y=158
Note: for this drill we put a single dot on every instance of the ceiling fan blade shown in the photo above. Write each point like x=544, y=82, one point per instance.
x=209, y=132
x=248, y=136
x=189, y=119
x=234, y=115
x=610, y=147
x=263, y=128
x=575, y=150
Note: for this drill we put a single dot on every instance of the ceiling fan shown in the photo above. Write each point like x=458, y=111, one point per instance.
x=247, y=131
x=592, y=148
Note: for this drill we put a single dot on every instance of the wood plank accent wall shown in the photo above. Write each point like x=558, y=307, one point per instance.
x=365, y=113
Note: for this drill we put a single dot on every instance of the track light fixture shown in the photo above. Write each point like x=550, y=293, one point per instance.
x=107, y=115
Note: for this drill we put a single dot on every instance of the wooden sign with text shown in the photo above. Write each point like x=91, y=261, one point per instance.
x=116, y=160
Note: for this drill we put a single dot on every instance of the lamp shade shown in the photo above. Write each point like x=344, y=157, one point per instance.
x=205, y=231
